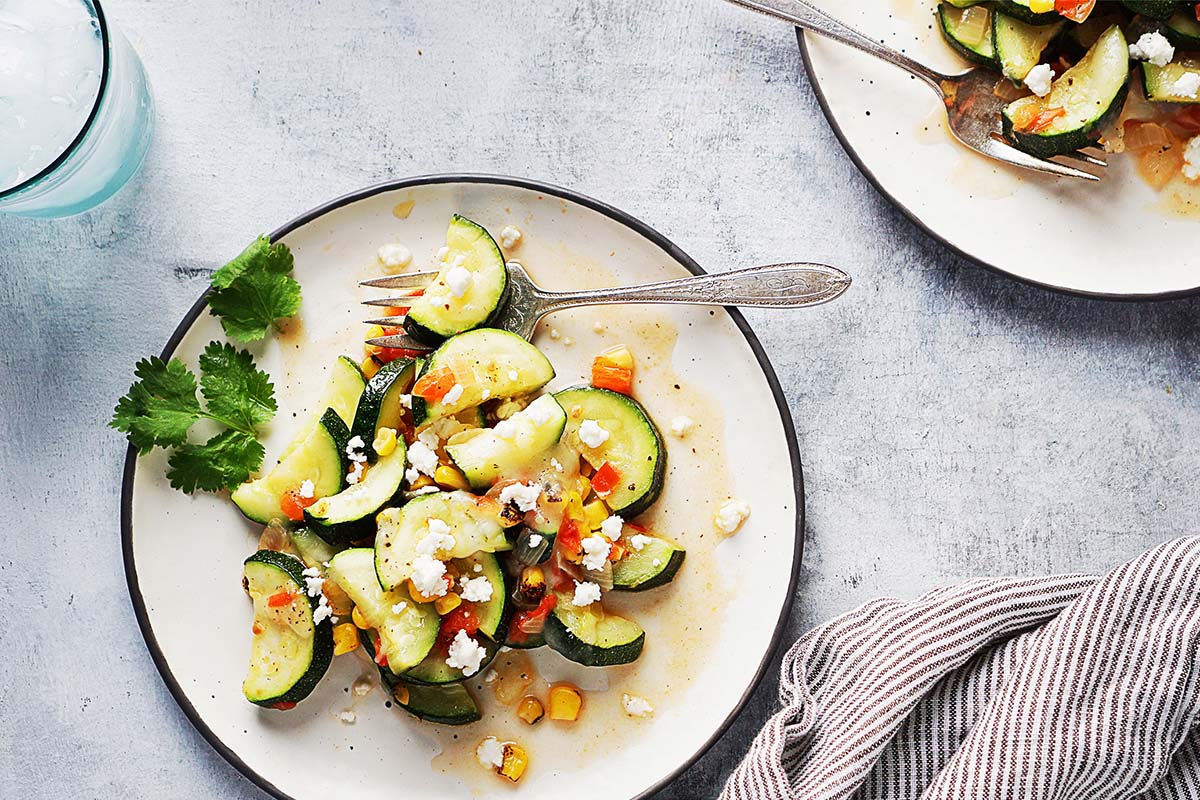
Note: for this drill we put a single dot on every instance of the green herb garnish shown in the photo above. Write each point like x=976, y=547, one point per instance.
x=254, y=290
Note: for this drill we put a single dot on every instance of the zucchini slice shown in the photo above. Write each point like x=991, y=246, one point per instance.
x=349, y=515
x=655, y=564
x=380, y=406
x=591, y=636
x=964, y=3
x=407, y=630
x=969, y=31
x=318, y=457
x=448, y=308
x=314, y=551
x=1019, y=46
x=474, y=523
x=1183, y=30
x=1091, y=93
x=1021, y=10
x=493, y=614
x=510, y=449
x=446, y=704
x=1155, y=9
x=1160, y=82
x=291, y=654
x=488, y=364
x=634, y=446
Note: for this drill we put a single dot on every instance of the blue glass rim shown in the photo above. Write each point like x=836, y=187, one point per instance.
x=105, y=68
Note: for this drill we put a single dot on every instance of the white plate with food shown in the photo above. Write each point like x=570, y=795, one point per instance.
x=465, y=577
x=1122, y=237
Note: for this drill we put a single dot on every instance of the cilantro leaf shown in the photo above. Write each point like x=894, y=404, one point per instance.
x=224, y=461
x=258, y=255
x=160, y=407
x=255, y=289
x=235, y=391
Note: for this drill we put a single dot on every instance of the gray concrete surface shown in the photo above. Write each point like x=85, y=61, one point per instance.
x=952, y=422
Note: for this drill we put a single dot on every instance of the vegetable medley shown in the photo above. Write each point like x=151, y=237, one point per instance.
x=439, y=507
x=1065, y=67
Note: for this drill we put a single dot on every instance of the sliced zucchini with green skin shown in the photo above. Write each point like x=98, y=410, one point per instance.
x=1078, y=39
x=1183, y=30
x=439, y=313
x=1021, y=10
x=349, y=515
x=291, y=654
x=1092, y=92
x=511, y=448
x=655, y=564
x=492, y=614
x=1155, y=9
x=448, y=704
x=959, y=35
x=434, y=670
x=530, y=642
x=1019, y=46
x=634, y=446
x=1160, y=82
x=591, y=636
x=318, y=457
x=474, y=523
x=964, y=3
x=341, y=393
x=313, y=550
x=488, y=364
x=380, y=406
x=408, y=630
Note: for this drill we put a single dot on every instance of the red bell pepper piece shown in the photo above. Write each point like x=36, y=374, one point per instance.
x=605, y=479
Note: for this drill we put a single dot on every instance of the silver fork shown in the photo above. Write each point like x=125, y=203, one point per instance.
x=772, y=286
x=972, y=107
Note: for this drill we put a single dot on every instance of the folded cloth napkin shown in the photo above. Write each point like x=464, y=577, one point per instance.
x=1069, y=687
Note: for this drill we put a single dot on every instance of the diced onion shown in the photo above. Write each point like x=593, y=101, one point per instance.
x=1159, y=165
x=973, y=27
x=1141, y=136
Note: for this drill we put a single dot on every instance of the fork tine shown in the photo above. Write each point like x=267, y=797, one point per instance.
x=392, y=302
x=412, y=280
x=1006, y=152
x=402, y=340
x=1086, y=158
x=387, y=322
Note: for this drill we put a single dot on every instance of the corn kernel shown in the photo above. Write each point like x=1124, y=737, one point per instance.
x=385, y=441
x=420, y=483
x=373, y=332
x=565, y=702
x=595, y=513
x=447, y=603
x=359, y=620
x=416, y=595
x=401, y=694
x=370, y=365
x=450, y=478
x=532, y=586
x=515, y=761
x=585, y=487
x=345, y=638
x=530, y=710
x=619, y=356
x=1041, y=6
x=574, y=509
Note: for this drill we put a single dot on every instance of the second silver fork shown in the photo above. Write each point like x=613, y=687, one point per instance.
x=793, y=285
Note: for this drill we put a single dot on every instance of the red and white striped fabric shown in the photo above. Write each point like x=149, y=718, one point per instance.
x=1068, y=687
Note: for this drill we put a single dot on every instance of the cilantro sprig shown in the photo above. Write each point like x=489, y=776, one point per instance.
x=250, y=295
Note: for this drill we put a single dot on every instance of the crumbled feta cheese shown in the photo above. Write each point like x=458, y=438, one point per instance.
x=1191, y=159
x=458, y=280
x=348, y=717
x=313, y=582
x=586, y=593
x=477, y=590
x=509, y=237
x=598, y=327
x=558, y=467
x=354, y=449
x=595, y=552
x=395, y=256
x=322, y=611
x=429, y=438
x=636, y=706
x=554, y=334
x=591, y=434
x=1187, y=85
x=356, y=473
x=307, y=490
x=506, y=429
x=656, y=562
x=465, y=654
x=406, y=401
x=731, y=515
x=540, y=413
x=427, y=490
x=437, y=541
x=535, y=539
x=490, y=752
x=681, y=426
x=422, y=457
x=1152, y=47
x=396, y=609
x=523, y=495
x=1039, y=78
x=611, y=527
x=429, y=576
x=513, y=374
x=443, y=253
x=568, y=341
x=477, y=568
x=454, y=395
x=411, y=475
x=638, y=541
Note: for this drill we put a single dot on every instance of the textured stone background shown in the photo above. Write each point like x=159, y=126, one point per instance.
x=952, y=422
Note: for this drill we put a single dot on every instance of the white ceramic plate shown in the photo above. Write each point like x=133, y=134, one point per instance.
x=1116, y=238
x=183, y=555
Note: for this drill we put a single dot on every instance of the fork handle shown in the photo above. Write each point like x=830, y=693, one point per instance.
x=806, y=16
x=771, y=286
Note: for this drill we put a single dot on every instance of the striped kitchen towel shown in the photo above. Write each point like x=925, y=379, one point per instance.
x=1071, y=687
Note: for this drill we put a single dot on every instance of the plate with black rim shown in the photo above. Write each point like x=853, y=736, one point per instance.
x=710, y=633
x=1118, y=238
